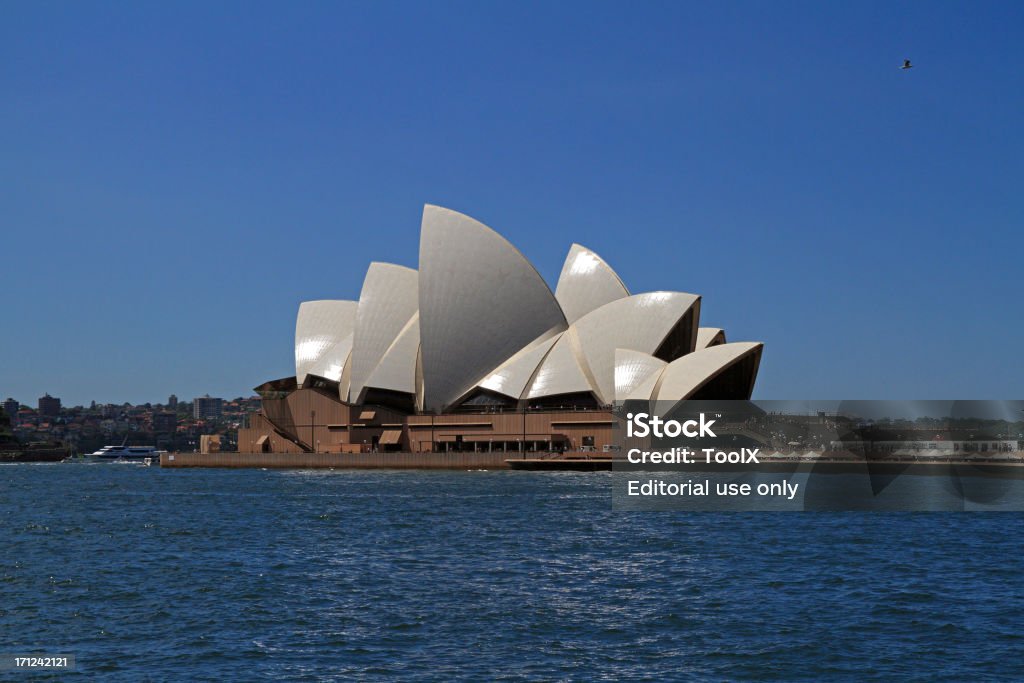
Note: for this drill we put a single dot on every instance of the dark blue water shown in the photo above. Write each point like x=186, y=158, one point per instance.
x=149, y=574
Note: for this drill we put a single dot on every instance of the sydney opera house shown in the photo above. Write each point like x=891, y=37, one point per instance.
x=473, y=352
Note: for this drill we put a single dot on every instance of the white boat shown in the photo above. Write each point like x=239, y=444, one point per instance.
x=125, y=453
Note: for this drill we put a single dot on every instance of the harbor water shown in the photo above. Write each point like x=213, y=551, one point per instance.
x=154, y=574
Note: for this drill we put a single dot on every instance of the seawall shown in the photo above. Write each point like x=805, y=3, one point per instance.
x=399, y=461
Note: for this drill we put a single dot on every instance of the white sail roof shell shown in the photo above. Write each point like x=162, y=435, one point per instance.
x=586, y=283
x=639, y=322
x=396, y=370
x=709, y=336
x=480, y=302
x=323, y=338
x=636, y=374
x=684, y=376
x=562, y=371
x=387, y=303
x=512, y=377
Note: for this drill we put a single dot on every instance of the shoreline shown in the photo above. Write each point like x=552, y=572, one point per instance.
x=549, y=462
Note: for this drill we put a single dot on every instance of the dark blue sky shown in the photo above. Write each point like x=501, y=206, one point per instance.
x=175, y=178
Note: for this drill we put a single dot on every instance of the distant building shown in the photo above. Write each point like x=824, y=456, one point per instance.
x=165, y=423
x=49, y=406
x=11, y=408
x=206, y=408
x=209, y=443
x=172, y=402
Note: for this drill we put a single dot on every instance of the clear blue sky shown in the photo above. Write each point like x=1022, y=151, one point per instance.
x=176, y=177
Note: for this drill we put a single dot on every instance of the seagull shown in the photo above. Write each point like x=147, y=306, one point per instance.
x=907, y=65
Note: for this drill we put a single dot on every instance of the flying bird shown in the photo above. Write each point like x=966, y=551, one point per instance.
x=907, y=65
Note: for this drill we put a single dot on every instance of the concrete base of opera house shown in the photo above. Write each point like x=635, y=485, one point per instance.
x=394, y=460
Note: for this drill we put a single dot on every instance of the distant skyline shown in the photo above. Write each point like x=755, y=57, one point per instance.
x=33, y=403
x=176, y=179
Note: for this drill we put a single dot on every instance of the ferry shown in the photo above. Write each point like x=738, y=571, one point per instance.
x=125, y=453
